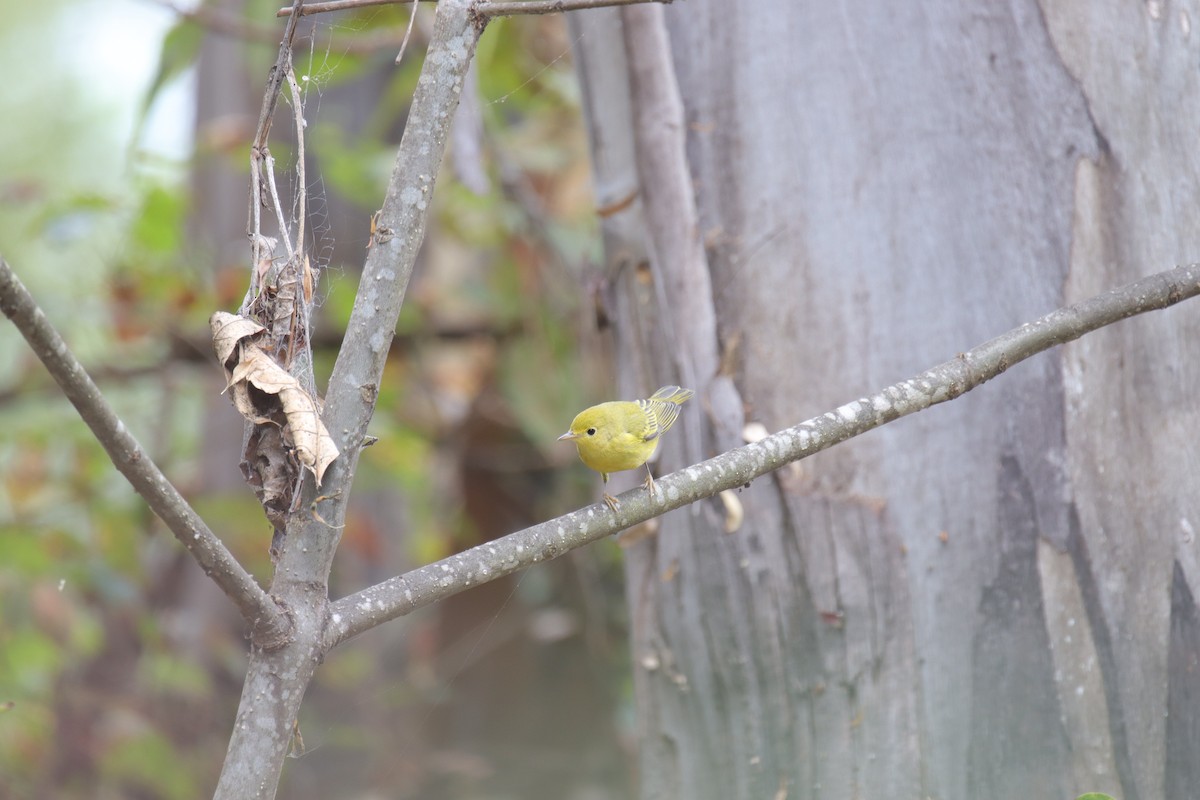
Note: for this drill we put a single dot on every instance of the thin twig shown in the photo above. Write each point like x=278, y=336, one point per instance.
x=269, y=164
x=259, y=250
x=270, y=625
x=300, y=212
x=340, y=5
x=305, y=275
x=258, y=150
x=405, y=593
x=484, y=8
x=412, y=18
x=507, y=8
x=275, y=79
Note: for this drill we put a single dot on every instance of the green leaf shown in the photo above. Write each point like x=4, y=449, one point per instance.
x=159, y=225
x=180, y=48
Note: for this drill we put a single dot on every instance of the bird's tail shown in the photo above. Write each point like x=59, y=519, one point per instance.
x=673, y=394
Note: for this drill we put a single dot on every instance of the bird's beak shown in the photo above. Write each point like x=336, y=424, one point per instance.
x=568, y=436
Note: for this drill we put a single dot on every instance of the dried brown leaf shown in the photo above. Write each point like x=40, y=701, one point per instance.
x=227, y=330
x=248, y=365
x=314, y=446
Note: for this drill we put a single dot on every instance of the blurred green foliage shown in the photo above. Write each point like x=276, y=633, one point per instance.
x=119, y=665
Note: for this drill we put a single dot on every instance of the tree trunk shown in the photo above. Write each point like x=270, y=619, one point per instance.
x=993, y=598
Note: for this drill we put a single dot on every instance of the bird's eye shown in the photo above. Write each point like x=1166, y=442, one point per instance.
x=591, y=431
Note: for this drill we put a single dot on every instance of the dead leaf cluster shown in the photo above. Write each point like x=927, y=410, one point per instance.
x=287, y=418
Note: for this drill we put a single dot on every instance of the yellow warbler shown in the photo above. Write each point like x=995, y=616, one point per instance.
x=623, y=434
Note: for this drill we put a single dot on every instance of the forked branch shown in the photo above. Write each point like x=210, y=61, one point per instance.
x=270, y=625
x=420, y=587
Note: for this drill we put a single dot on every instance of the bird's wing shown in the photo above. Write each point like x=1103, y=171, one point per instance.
x=659, y=417
x=651, y=427
x=665, y=414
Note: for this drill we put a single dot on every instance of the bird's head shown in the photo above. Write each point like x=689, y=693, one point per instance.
x=588, y=425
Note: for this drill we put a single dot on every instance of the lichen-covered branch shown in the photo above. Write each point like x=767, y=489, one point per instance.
x=270, y=625
x=396, y=241
x=420, y=587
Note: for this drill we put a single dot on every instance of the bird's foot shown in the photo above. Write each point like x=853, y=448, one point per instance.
x=649, y=484
x=611, y=501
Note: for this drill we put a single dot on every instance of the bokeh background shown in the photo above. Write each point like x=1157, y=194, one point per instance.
x=123, y=185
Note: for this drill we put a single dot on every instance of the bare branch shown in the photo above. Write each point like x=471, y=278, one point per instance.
x=269, y=623
x=508, y=8
x=396, y=241
x=412, y=19
x=275, y=80
x=420, y=587
x=485, y=8
x=340, y=5
x=300, y=212
x=258, y=151
x=284, y=232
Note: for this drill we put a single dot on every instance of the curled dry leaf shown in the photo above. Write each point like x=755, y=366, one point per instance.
x=227, y=330
x=270, y=473
x=734, y=513
x=313, y=445
x=248, y=366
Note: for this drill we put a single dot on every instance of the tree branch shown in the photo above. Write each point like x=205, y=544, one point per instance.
x=420, y=587
x=270, y=625
x=275, y=78
x=508, y=8
x=395, y=244
x=484, y=8
x=339, y=5
x=258, y=152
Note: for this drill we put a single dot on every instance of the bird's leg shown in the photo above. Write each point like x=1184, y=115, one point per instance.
x=609, y=500
x=649, y=483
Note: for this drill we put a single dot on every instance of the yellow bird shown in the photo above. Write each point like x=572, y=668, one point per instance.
x=623, y=434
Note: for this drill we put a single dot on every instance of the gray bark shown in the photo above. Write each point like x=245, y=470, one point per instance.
x=276, y=681
x=994, y=598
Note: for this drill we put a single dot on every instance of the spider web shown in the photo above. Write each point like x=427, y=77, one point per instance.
x=292, y=242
